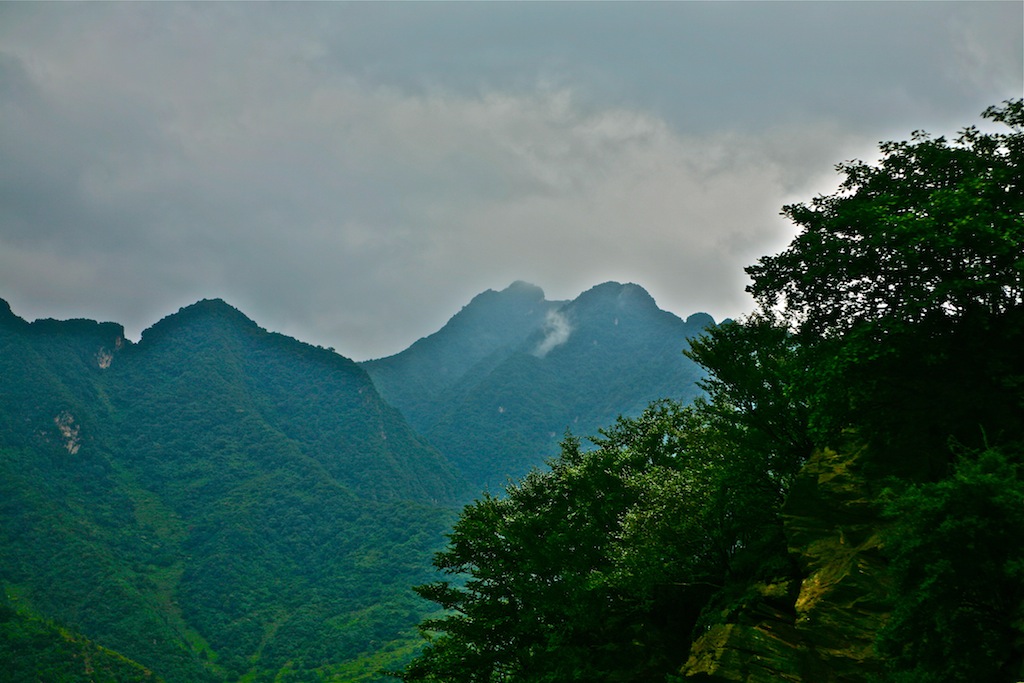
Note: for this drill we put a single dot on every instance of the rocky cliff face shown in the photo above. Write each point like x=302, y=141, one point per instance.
x=823, y=629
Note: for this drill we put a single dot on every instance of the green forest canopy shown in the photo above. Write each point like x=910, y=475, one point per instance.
x=896, y=315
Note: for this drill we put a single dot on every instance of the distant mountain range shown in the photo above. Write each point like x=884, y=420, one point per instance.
x=217, y=501
x=499, y=385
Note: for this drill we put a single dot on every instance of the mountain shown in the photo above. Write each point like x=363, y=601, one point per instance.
x=498, y=404
x=490, y=326
x=216, y=501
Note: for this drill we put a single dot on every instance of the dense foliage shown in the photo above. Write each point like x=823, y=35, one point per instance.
x=213, y=502
x=599, y=568
x=32, y=650
x=906, y=288
x=932, y=231
x=895, y=317
x=958, y=564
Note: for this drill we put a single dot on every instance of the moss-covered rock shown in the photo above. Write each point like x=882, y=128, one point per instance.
x=761, y=647
x=827, y=632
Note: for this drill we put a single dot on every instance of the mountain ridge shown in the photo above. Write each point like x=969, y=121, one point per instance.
x=417, y=377
x=577, y=367
x=220, y=502
x=215, y=501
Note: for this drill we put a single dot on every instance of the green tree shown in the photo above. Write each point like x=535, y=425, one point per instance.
x=752, y=388
x=753, y=422
x=544, y=596
x=906, y=288
x=600, y=568
x=934, y=230
x=905, y=294
x=957, y=551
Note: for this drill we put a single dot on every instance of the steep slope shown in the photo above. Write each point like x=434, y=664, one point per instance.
x=47, y=367
x=609, y=352
x=29, y=645
x=213, y=500
x=209, y=354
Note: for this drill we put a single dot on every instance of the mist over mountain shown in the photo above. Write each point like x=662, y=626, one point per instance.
x=498, y=386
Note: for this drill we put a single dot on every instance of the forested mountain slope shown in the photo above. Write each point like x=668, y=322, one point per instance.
x=574, y=365
x=213, y=500
x=31, y=648
x=490, y=326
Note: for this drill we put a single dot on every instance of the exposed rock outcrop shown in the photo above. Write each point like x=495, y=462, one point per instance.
x=825, y=631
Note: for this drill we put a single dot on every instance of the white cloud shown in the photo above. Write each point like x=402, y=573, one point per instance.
x=557, y=331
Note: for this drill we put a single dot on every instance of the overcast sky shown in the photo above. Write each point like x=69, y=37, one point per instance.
x=352, y=174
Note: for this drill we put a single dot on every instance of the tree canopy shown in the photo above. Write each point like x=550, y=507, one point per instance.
x=599, y=569
x=602, y=567
x=896, y=315
x=934, y=229
x=906, y=288
x=957, y=548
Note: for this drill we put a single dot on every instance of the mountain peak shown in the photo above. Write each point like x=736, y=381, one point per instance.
x=215, y=306
x=491, y=322
x=205, y=310
x=8, y=317
x=628, y=295
x=517, y=293
x=525, y=290
x=701, y=320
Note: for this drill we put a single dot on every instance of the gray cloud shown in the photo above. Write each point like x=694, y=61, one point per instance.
x=351, y=174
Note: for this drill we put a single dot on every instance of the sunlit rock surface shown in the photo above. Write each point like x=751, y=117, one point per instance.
x=823, y=631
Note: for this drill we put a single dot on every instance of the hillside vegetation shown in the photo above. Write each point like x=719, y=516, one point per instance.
x=213, y=501
x=845, y=504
